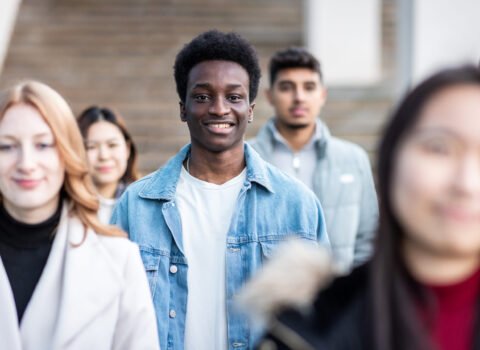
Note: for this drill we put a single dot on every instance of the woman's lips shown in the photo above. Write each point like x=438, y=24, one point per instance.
x=27, y=184
x=460, y=214
x=104, y=169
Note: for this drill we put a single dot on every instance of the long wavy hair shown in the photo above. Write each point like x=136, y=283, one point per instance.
x=394, y=292
x=78, y=188
x=95, y=114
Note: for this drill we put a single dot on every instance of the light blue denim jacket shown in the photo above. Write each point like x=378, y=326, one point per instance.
x=270, y=207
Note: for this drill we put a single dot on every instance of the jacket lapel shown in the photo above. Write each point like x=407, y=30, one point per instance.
x=38, y=323
x=77, y=284
x=9, y=332
x=91, y=282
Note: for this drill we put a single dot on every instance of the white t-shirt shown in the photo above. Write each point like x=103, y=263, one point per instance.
x=206, y=210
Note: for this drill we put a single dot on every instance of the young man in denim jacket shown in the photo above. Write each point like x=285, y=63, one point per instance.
x=300, y=144
x=208, y=219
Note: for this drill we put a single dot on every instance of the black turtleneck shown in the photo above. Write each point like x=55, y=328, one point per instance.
x=24, y=250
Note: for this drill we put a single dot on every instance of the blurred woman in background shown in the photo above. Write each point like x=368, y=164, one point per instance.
x=112, y=155
x=66, y=280
x=422, y=288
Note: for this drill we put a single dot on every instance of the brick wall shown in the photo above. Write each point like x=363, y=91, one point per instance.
x=120, y=53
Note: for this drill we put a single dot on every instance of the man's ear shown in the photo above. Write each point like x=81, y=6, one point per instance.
x=323, y=95
x=183, y=117
x=250, y=112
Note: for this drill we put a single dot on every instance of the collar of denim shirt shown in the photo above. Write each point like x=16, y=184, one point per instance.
x=162, y=184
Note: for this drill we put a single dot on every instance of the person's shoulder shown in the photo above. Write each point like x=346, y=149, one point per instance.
x=138, y=185
x=285, y=184
x=345, y=148
x=347, y=153
x=344, y=289
x=135, y=189
x=120, y=249
x=110, y=250
x=263, y=137
x=337, y=312
x=154, y=183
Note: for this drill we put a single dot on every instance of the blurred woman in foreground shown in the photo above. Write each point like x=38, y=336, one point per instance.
x=422, y=288
x=112, y=155
x=66, y=280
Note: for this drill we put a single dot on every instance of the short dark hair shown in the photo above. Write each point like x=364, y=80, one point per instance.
x=95, y=114
x=293, y=57
x=215, y=45
x=396, y=323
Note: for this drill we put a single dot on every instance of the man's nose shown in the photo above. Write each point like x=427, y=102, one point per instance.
x=219, y=107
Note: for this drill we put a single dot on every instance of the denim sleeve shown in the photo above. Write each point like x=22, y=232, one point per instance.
x=322, y=235
x=368, y=220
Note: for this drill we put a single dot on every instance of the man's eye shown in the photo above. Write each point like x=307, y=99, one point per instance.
x=235, y=98
x=112, y=145
x=201, y=98
x=285, y=87
x=90, y=147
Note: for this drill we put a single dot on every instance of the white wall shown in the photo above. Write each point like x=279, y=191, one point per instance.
x=8, y=14
x=346, y=36
x=446, y=33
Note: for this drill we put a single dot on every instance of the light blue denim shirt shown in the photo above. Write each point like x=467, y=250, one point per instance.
x=271, y=206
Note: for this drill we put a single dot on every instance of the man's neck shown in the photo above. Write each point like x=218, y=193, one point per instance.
x=296, y=138
x=218, y=167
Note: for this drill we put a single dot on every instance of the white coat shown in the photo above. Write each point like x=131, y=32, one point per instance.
x=91, y=297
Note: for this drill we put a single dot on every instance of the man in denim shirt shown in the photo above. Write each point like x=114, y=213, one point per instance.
x=208, y=219
x=300, y=144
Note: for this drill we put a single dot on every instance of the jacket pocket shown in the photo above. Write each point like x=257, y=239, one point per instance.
x=151, y=262
x=269, y=247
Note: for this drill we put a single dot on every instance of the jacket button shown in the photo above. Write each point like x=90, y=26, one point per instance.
x=173, y=268
x=172, y=314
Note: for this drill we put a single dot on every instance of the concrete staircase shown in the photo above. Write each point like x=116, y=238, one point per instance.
x=120, y=53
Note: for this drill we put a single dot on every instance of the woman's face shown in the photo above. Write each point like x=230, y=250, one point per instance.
x=31, y=171
x=436, y=184
x=107, y=152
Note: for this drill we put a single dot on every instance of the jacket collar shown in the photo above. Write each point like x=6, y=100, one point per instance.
x=266, y=138
x=76, y=286
x=162, y=184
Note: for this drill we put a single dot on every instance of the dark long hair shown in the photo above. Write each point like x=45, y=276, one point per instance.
x=394, y=292
x=96, y=114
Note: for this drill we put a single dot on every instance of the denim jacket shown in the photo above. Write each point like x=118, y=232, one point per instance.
x=270, y=207
x=344, y=185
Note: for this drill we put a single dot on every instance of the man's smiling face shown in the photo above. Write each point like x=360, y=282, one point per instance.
x=217, y=106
